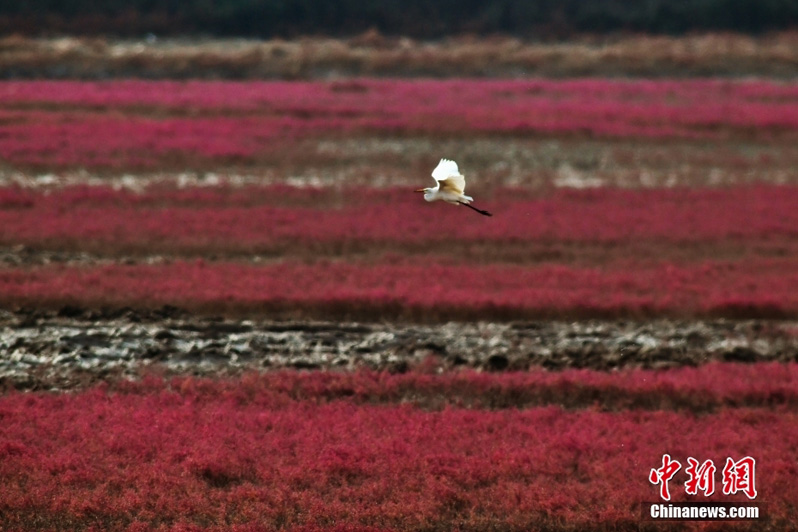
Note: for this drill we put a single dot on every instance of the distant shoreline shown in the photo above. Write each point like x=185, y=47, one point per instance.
x=374, y=55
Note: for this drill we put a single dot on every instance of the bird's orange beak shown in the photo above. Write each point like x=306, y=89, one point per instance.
x=420, y=190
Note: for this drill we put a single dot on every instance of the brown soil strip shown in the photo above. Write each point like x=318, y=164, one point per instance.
x=534, y=253
x=372, y=54
x=75, y=347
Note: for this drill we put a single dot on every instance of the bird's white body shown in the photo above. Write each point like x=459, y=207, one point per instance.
x=450, y=184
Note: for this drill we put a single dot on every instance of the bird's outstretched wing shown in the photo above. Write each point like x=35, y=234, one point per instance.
x=448, y=175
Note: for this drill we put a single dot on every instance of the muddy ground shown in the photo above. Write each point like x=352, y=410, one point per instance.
x=372, y=54
x=75, y=347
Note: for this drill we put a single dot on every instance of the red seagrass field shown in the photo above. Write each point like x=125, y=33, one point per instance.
x=634, y=294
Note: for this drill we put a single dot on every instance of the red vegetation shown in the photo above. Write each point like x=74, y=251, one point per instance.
x=374, y=451
x=268, y=219
x=594, y=263
x=421, y=289
x=274, y=452
x=701, y=389
x=143, y=124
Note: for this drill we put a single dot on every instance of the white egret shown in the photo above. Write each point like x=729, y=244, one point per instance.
x=450, y=185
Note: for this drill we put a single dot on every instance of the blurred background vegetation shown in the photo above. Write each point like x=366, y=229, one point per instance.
x=543, y=19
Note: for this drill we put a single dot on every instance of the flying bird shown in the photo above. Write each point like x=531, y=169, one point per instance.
x=450, y=185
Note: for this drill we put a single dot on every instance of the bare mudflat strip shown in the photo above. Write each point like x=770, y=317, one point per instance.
x=372, y=54
x=74, y=347
x=523, y=161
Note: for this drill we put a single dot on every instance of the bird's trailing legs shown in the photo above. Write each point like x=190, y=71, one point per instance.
x=480, y=211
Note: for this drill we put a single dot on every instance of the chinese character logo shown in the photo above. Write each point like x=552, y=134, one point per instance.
x=701, y=478
x=664, y=474
x=740, y=476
